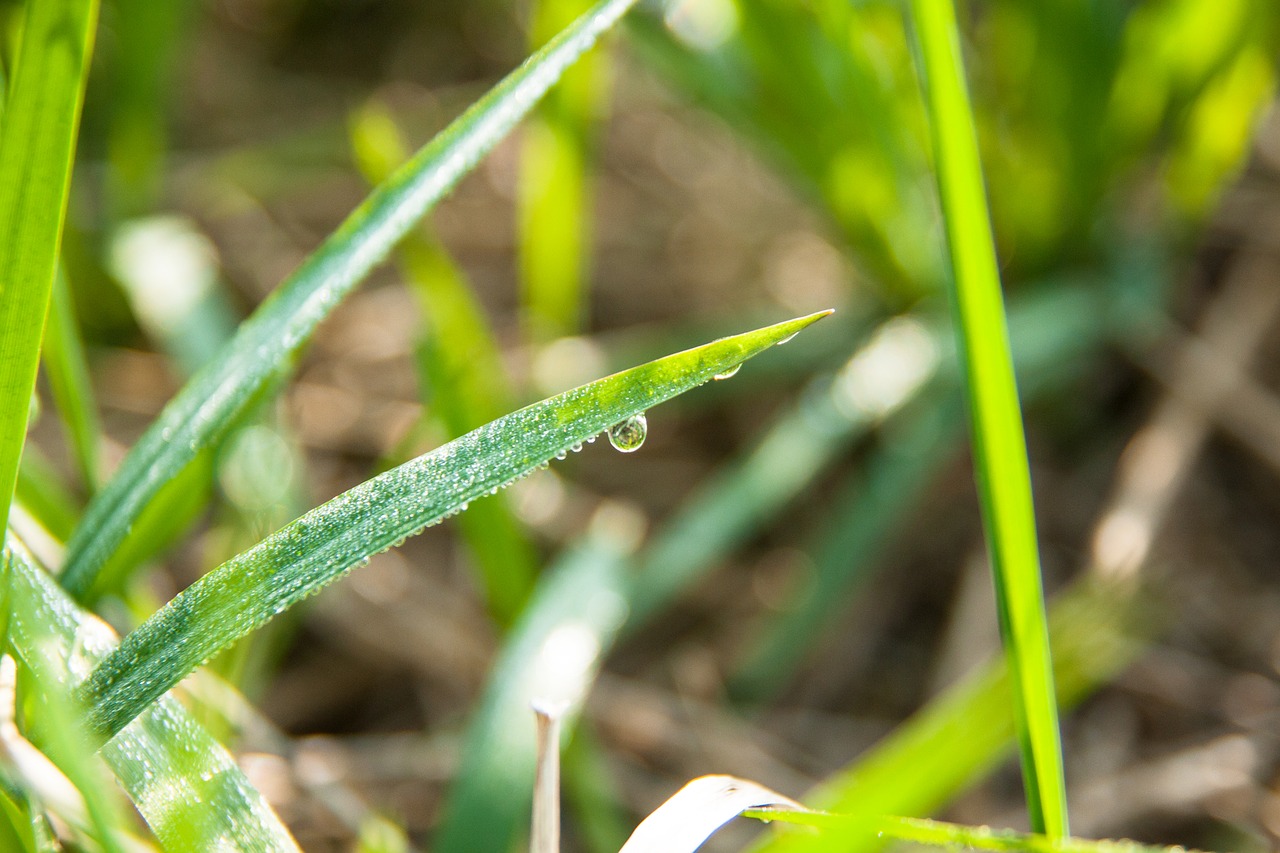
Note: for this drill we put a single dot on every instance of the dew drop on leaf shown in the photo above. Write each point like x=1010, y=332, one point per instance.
x=628, y=435
x=728, y=374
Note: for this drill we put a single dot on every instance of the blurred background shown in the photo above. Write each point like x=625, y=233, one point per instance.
x=807, y=534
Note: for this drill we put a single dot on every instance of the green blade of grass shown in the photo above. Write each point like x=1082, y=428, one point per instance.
x=583, y=598
x=556, y=187
x=1055, y=338
x=68, y=375
x=266, y=345
x=37, y=147
x=1000, y=456
x=296, y=561
x=187, y=787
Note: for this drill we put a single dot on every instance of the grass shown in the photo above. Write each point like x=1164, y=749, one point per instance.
x=715, y=575
x=999, y=444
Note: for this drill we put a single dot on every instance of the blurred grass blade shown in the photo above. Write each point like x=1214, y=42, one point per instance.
x=187, y=787
x=266, y=344
x=583, y=598
x=37, y=148
x=1055, y=338
x=68, y=374
x=960, y=736
x=296, y=561
x=1000, y=448
x=953, y=836
x=555, y=209
x=462, y=370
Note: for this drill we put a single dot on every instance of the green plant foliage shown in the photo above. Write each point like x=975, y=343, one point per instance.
x=37, y=144
x=185, y=784
x=999, y=445
x=311, y=552
x=267, y=344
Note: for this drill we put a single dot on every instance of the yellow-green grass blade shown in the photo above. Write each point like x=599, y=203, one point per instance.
x=296, y=561
x=462, y=369
x=953, y=836
x=1055, y=338
x=186, y=786
x=1000, y=451
x=575, y=612
x=37, y=149
x=148, y=38
x=964, y=733
x=267, y=344
x=41, y=492
x=68, y=374
x=556, y=197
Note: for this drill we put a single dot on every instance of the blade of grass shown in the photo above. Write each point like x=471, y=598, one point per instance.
x=555, y=200
x=1000, y=455
x=1055, y=339
x=68, y=374
x=187, y=787
x=584, y=594
x=462, y=370
x=296, y=561
x=37, y=148
x=266, y=345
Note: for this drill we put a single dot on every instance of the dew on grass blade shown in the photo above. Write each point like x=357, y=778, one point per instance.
x=628, y=435
x=728, y=374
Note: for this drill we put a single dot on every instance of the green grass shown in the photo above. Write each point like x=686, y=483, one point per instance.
x=37, y=143
x=773, y=504
x=999, y=445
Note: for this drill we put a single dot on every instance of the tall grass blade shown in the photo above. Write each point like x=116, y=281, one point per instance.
x=582, y=598
x=37, y=148
x=555, y=222
x=186, y=786
x=1000, y=456
x=266, y=344
x=296, y=561
x=68, y=374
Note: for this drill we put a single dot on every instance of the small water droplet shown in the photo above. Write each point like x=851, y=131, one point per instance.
x=787, y=338
x=728, y=374
x=563, y=454
x=628, y=435
x=591, y=440
x=577, y=448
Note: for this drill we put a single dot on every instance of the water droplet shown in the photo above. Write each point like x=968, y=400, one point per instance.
x=728, y=374
x=628, y=435
x=591, y=440
x=563, y=454
x=577, y=448
x=787, y=338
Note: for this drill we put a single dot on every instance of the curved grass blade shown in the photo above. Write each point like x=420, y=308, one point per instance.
x=296, y=561
x=187, y=787
x=999, y=445
x=266, y=344
x=37, y=147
